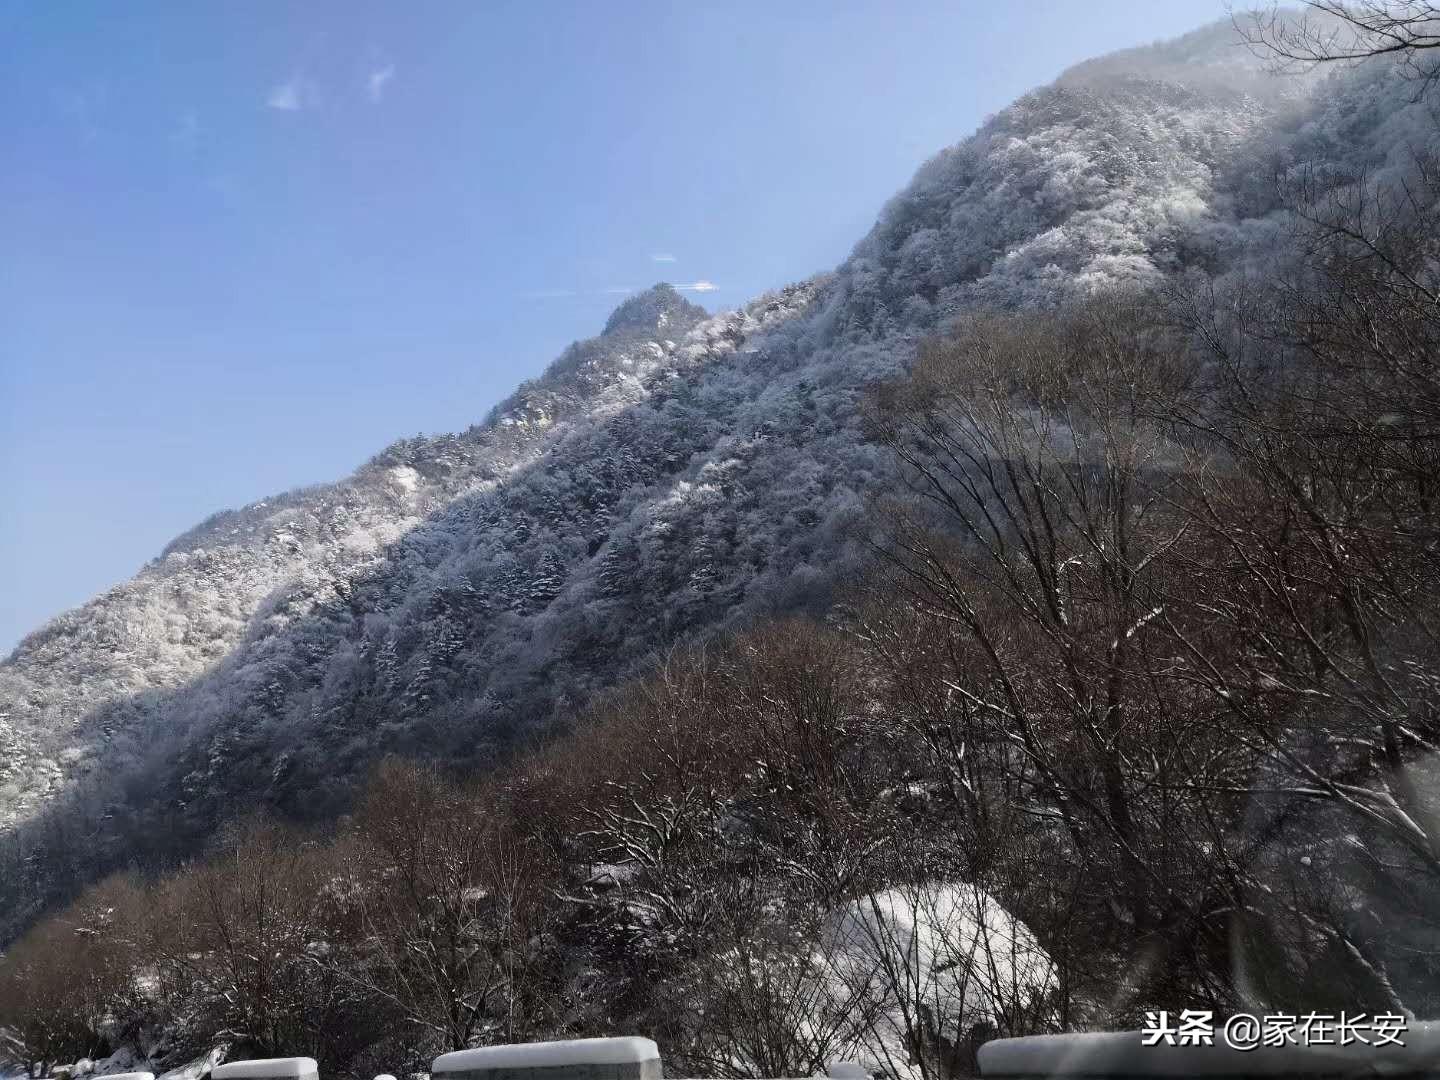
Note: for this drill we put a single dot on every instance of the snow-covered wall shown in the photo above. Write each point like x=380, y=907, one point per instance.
x=627, y=1058
x=1124, y=1054
x=288, y=1068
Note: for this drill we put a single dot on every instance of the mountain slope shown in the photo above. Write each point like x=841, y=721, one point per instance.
x=677, y=474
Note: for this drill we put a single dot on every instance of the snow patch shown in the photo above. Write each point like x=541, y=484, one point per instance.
x=945, y=947
x=404, y=477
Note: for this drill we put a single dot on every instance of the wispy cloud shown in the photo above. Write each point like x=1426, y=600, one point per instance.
x=292, y=95
x=547, y=294
x=285, y=96
x=186, y=132
x=613, y=290
x=662, y=257
x=555, y=294
x=377, y=81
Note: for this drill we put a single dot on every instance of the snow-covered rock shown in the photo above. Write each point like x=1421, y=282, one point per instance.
x=929, y=963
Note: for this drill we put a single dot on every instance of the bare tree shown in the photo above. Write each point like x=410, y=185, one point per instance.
x=1330, y=31
x=56, y=987
x=1319, y=537
x=453, y=907
x=252, y=910
x=764, y=1000
x=1042, y=540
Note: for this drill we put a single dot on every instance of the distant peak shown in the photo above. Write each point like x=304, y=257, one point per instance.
x=658, y=307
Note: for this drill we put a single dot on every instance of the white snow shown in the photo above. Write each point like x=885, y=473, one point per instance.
x=404, y=477
x=1120, y=1054
x=265, y=1067
x=121, y=1063
x=130, y=1076
x=944, y=946
x=616, y=1051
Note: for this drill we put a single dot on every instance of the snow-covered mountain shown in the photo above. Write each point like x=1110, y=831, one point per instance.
x=677, y=474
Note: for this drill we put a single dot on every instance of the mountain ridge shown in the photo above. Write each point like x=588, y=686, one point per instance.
x=676, y=475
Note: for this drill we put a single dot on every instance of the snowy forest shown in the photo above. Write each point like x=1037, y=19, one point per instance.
x=1030, y=624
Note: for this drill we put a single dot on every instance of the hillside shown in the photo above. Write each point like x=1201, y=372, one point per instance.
x=676, y=475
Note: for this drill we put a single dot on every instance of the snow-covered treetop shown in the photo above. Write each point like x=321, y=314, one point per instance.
x=659, y=307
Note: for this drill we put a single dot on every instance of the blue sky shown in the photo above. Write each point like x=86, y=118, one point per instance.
x=246, y=245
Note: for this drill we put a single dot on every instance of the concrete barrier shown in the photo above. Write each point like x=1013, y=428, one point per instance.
x=573, y=1059
x=297, y=1068
x=1122, y=1055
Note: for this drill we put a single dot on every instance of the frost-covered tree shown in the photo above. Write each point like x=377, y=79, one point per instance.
x=676, y=476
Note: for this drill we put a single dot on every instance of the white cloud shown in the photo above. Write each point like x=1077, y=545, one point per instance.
x=377, y=81
x=285, y=96
x=698, y=286
x=292, y=95
x=662, y=257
